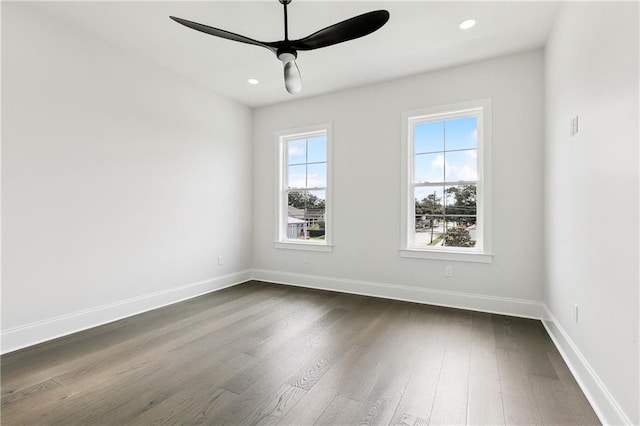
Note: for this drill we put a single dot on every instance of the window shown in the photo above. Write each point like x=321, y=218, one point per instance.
x=446, y=184
x=304, y=203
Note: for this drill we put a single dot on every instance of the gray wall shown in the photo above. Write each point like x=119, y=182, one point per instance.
x=366, y=176
x=119, y=181
x=591, y=193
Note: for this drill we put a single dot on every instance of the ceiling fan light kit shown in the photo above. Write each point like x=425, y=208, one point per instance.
x=287, y=50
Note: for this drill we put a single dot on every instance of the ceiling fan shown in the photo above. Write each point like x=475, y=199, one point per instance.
x=287, y=50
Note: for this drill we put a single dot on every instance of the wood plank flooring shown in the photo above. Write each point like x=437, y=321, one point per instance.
x=262, y=353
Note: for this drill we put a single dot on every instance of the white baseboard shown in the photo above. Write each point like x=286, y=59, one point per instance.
x=31, y=334
x=474, y=302
x=603, y=403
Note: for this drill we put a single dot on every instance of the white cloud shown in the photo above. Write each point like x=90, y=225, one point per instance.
x=295, y=151
x=466, y=170
x=438, y=163
x=312, y=181
x=315, y=181
x=457, y=166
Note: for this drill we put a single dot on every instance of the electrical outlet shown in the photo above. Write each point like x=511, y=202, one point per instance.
x=575, y=313
x=448, y=271
x=305, y=258
x=219, y=260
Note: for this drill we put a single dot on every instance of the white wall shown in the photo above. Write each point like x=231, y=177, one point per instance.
x=366, y=175
x=121, y=183
x=591, y=200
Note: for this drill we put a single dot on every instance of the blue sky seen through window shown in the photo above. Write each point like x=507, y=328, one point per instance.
x=446, y=151
x=307, y=162
x=438, y=136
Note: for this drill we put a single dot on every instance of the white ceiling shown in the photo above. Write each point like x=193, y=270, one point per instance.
x=420, y=36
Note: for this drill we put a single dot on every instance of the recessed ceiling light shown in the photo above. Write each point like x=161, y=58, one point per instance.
x=252, y=81
x=467, y=23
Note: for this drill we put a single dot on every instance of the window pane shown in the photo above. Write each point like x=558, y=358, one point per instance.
x=317, y=175
x=461, y=133
x=296, y=206
x=306, y=215
x=461, y=166
x=429, y=232
x=297, y=151
x=429, y=207
x=429, y=168
x=461, y=220
x=429, y=200
x=429, y=137
x=459, y=234
x=317, y=150
x=460, y=204
x=297, y=176
x=316, y=215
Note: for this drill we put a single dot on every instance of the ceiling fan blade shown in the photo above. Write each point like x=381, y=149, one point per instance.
x=292, y=78
x=350, y=29
x=221, y=33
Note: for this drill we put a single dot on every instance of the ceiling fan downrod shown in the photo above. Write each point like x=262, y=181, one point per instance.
x=288, y=56
x=286, y=21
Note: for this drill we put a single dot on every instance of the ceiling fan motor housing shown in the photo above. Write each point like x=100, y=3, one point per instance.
x=286, y=55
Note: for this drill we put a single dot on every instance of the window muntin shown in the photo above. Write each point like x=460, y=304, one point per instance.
x=446, y=162
x=303, y=214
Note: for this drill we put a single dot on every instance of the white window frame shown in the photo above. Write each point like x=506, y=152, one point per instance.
x=482, y=252
x=281, y=240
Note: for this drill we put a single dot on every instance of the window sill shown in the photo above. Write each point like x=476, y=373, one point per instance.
x=459, y=256
x=327, y=248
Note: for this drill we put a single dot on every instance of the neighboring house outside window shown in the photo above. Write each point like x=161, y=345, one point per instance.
x=304, y=188
x=446, y=165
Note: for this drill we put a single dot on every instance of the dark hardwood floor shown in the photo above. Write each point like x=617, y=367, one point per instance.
x=273, y=354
